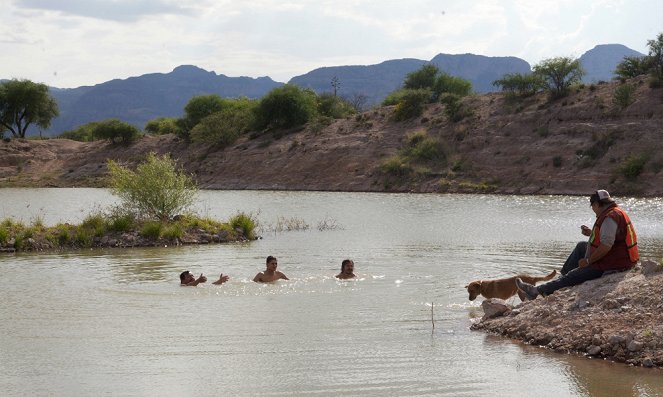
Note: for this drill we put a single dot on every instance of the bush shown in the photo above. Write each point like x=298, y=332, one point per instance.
x=454, y=108
x=4, y=235
x=116, y=131
x=197, y=109
x=421, y=147
x=633, y=166
x=631, y=67
x=163, y=126
x=224, y=127
x=151, y=230
x=156, y=190
x=447, y=84
x=423, y=78
x=623, y=96
x=334, y=107
x=121, y=223
x=395, y=166
x=520, y=85
x=411, y=104
x=172, y=231
x=84, y=133
x=286, y=107
x=244, y=223
x=94, y=223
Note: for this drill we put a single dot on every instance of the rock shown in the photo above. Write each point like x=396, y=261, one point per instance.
x=222, y=235
x=635, y=346
x=610, y=304
x=582, y=304
x=593, y=350
x=616, y=340
x=494, y=308
x=649, y=267
x=648, y=362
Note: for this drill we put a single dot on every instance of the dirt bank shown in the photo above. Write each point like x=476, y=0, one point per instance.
x=530, y=146
x=616, y=317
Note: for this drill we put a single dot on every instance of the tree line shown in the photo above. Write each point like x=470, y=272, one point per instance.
x=218, y=121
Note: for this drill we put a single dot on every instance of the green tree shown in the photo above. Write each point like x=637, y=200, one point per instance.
x=23, y=103
x=224, y=127
x=559, y=74
x=425, y=77
x=656, y=55
x=116, y=131
x=162, y=126
x=156, y=190
x=448, y=84
x=411, y=104
x=518, y=84
x=83, y=133
x=631, y=67
x=197, y=109
x=286, y=107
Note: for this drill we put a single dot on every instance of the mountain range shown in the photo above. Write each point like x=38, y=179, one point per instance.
x=139, y=99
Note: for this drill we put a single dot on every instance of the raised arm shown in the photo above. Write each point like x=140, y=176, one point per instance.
x=199, y=280
x=222, y=279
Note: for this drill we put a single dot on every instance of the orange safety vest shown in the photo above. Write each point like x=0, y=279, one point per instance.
x=624, y=252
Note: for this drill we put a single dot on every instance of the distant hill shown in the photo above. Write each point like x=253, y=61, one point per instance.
x=600, y=62
x=376, y=81
x=138, y=99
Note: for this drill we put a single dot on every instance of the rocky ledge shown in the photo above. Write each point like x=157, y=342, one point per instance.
x=617, y=317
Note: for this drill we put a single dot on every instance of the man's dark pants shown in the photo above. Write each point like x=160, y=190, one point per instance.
x=571, y=273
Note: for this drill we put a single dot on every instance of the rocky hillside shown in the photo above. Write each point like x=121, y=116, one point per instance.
x=530, y=146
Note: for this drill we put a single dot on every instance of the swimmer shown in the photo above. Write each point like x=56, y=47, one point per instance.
x=188, y=280
x=347, y=270
x=270, y=274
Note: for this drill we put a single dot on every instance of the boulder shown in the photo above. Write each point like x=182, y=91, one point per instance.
x=494, y=308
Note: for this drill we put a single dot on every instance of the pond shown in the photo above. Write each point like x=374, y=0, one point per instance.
x=116, y=321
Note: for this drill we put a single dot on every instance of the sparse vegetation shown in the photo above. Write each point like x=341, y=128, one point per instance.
x=623, y=96
x=520, y=85
x=286, y=107
x=116, y=131
x=632, y=166
x=559, y=74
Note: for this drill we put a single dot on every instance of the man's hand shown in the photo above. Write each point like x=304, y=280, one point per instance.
x=583, y=262
x=201, y=279
x=585, y=230
x=222, y=279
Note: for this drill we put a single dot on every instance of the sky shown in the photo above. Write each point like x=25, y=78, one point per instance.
x=71, y=43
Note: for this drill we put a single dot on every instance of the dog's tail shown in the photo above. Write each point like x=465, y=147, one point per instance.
x=546, y=278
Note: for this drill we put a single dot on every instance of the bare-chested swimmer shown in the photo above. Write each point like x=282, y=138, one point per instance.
x=347, y=270
x=270, y=274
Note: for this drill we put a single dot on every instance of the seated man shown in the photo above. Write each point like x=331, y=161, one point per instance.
x=347, y=269
x=188, y=280
x=612, y=246
x=270, y=274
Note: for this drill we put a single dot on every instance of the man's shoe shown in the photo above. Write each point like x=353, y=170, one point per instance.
x=530, y=291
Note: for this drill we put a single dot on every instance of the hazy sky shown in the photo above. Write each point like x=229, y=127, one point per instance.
x=69, y=43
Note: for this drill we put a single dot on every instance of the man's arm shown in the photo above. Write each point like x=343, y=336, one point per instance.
x=282, y=276
x=608, y=233
x=258, y=278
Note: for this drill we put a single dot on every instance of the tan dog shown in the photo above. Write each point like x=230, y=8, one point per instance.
x=503, y=288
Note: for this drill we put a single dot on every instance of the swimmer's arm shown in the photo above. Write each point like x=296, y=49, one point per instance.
x=283, y=276
x=222, y=279
x=258, y=278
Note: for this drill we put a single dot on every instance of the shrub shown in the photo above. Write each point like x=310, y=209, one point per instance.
x=447, y=84
x=83, y=238
x=244, y=223
x=84, y=133
x=62, y=234
x=4, y=235
x=162, y=126
x=172, y=231
x=557, y=161
x=454, y=108
x=334, y=107
x=156, y=190
x=632, y=166
x=623, y=96
x=411, y=104
x=424, y=78
x=631, y=67
x=395, y=166
x=520, y=85
x=286, y=107
x=95, y=223
x=116, y=131
x=224, y=127
x=197, y=109
x=151, y=230
x=121, y=223
x=419, y=146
